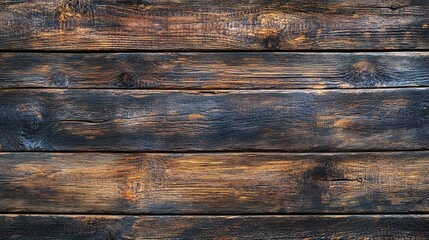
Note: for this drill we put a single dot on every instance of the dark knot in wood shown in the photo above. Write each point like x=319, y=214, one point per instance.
x=32, y=124
x=59, y=79
x=128, y=79
x=271, y=42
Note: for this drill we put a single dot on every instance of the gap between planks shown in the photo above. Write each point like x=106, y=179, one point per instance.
x=220, y=90
x=255, y=214
x=218, y=51
x=220, y=152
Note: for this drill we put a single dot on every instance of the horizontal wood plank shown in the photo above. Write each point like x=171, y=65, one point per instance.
x=214, y=183
x=139, y=120
x=214, y=70
x=213, y=24
x=214, y=227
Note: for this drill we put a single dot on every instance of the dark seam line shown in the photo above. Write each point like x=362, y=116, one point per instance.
x=219, y=214
x=224, y=90
x=249, y=151
x=212, y=51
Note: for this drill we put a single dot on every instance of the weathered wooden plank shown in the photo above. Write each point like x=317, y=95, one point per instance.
x=214, y=183
x=214, y=227
x=213, y=24
x=294, y=120
x=214, y=70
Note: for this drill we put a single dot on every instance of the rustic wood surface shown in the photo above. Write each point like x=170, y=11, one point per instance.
x=214, y=227
x=141, y=120
x=214, y=183
x=214, y=70
x=213, y=25
x=214, y=119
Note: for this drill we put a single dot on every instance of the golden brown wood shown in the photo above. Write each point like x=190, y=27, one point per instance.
x=214, y=70
x=214, y=227
x=214, y=183
x=213, y=24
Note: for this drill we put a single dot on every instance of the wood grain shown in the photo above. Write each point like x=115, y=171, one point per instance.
x=214, y=70
x=213, y=25
x=214, y=183
x=170, y=119
x=138, y=120
x=214, y=227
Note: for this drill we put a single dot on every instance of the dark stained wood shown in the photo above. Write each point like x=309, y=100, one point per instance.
x=214, y=227
x=138, y=120
x=214, y=183
x=214, y=70
x=213, y=24
x=171, y=119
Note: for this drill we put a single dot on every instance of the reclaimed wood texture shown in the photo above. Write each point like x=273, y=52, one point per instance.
x=213, y=25
x=214, y=70
x=292, y=120
x=215, y=227
x=214, y=183
x=214, y=119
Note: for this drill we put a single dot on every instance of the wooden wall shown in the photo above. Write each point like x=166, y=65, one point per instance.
x=191, y=119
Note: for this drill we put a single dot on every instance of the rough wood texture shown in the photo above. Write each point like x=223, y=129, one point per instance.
x=214, y=183
x=299, y=120
x=214, y=24
x=214, y=227
x=214, y=70
x=98, y=118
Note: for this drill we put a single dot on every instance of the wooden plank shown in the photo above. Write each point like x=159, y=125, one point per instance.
x=294, y=120
x=214, y=227
x=214, y=70
x=213, y=24
x=214, y=183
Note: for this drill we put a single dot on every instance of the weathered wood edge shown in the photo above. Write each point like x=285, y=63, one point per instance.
x=214, y=227
x=214, y=70
x=213, y=25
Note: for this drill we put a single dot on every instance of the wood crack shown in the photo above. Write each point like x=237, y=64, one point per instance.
x=84, y=121
x=342, y=179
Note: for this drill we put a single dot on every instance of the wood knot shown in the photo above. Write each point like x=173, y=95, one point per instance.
x=270, y=26
x=72, y=9
x=59, y=79
x=32, y=124
x=30, y=117
x=363, y=67
x=128, y=79
x=271, y=42
x=363, y=74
